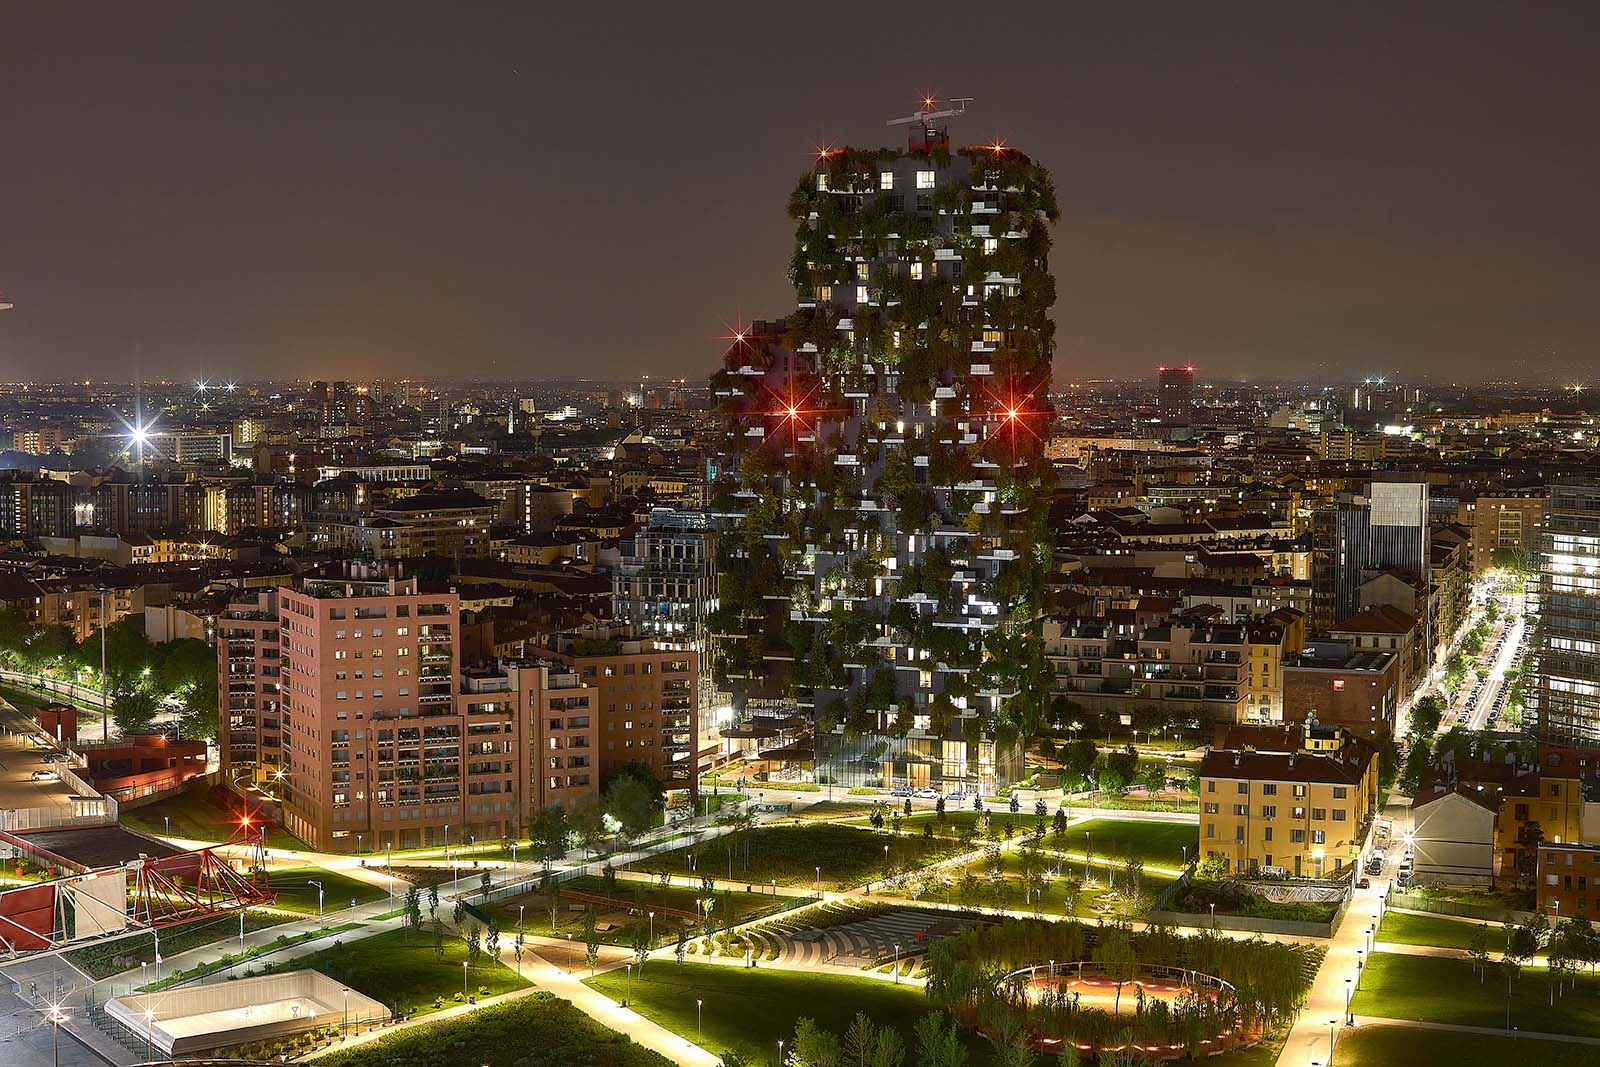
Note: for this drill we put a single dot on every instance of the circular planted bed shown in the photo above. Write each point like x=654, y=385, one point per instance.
x=1167, y=1012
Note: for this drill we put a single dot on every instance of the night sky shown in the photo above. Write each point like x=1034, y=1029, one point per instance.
x=538, y=190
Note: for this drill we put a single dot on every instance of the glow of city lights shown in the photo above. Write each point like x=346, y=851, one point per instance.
x=202, y=385
x=231, y=386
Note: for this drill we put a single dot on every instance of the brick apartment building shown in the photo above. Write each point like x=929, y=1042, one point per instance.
x=349, y=695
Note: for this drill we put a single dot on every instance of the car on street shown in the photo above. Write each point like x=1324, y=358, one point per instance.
x=44, y=776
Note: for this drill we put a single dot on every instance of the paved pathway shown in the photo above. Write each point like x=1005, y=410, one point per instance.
x=1488, y=1031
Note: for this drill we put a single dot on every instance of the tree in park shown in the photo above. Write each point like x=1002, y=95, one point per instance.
x=188, y=670
x=591, y=940
x=938, y=809
x=682, y=948
x=438, y=940
x=1114, y=952
x=907, y=811
x=474, y=939
x=977, y=802
x=631, y=803
x=1058, y=825
x=517, y=947
x=1478, y=949
x=865, y=1044
x=433, y=899
x=484, y=884
x=459, y=912
x=413, y=910
x=548, y=831
x=135, y=708
x=587, y=822
x=491, y=940
x=938, y=1046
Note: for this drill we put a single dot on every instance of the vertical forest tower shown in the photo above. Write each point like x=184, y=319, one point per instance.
x=884, y=487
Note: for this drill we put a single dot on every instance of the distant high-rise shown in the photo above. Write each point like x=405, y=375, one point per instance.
x=1175, y=394
x=886, y=487
x=1565, y=702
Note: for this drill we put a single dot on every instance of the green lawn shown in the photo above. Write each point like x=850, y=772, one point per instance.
x=791, y=854
x=538, y=1028
x=1431, y=930
x=1439, y=990
x=954, y=823
x=754, y=1009
x=1399, y=1046
x=1159, y=844
x=113, y=957
x=536, y=914
x=402, y=969
x=297, y=894
x=191, y=814
x=1092, y=901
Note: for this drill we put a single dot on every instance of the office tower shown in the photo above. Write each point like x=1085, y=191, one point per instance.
x=883, y=483
x=664, y=585
x=1175, y=394
x=1386, y=529
x=1565, y=709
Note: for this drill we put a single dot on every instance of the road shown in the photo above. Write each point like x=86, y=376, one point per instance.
x=1478, y=715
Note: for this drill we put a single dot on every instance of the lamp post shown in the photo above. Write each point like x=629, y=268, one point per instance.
x=55, y=1038
x=628, y=989
x=318, y=884
x=1213, y=916
x=344, y=1021
x=520, y=908
x=897, y=963
x=780, y=1052
x=697, y=1006
x=819, y=881
x=1087, y=853
x=652, y=932
x=149, y=1032
x=463, y=979
x=168, y=820
x=1349, y=987
x=241, y=929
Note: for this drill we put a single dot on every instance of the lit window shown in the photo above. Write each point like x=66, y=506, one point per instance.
x=916, y=271
x=924, y=179
x=991, y=245
x=861, y=294
x=822, y=183
x=886, y=180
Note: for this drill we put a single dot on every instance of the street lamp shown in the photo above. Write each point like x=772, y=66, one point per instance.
x=1213, y=916
x=1349, y=987
x=697, y=1006
x=55, y=1040
x=463, y=979
x=149, y=1032
x=318, y=884
x=897, y=963
x=520, y=908
x=819, y=881
x=1333, y=1026
x=652, y=932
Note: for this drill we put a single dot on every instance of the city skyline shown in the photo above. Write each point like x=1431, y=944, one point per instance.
x=236, y=191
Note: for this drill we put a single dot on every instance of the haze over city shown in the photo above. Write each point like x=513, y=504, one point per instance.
x=195, y=190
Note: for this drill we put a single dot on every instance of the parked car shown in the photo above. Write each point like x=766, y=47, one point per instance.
x=900, y=791
x=1363, y=883
x=44, y=776
x=926, y=794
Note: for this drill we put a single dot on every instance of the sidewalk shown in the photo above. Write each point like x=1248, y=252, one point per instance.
x=1487, y=1031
